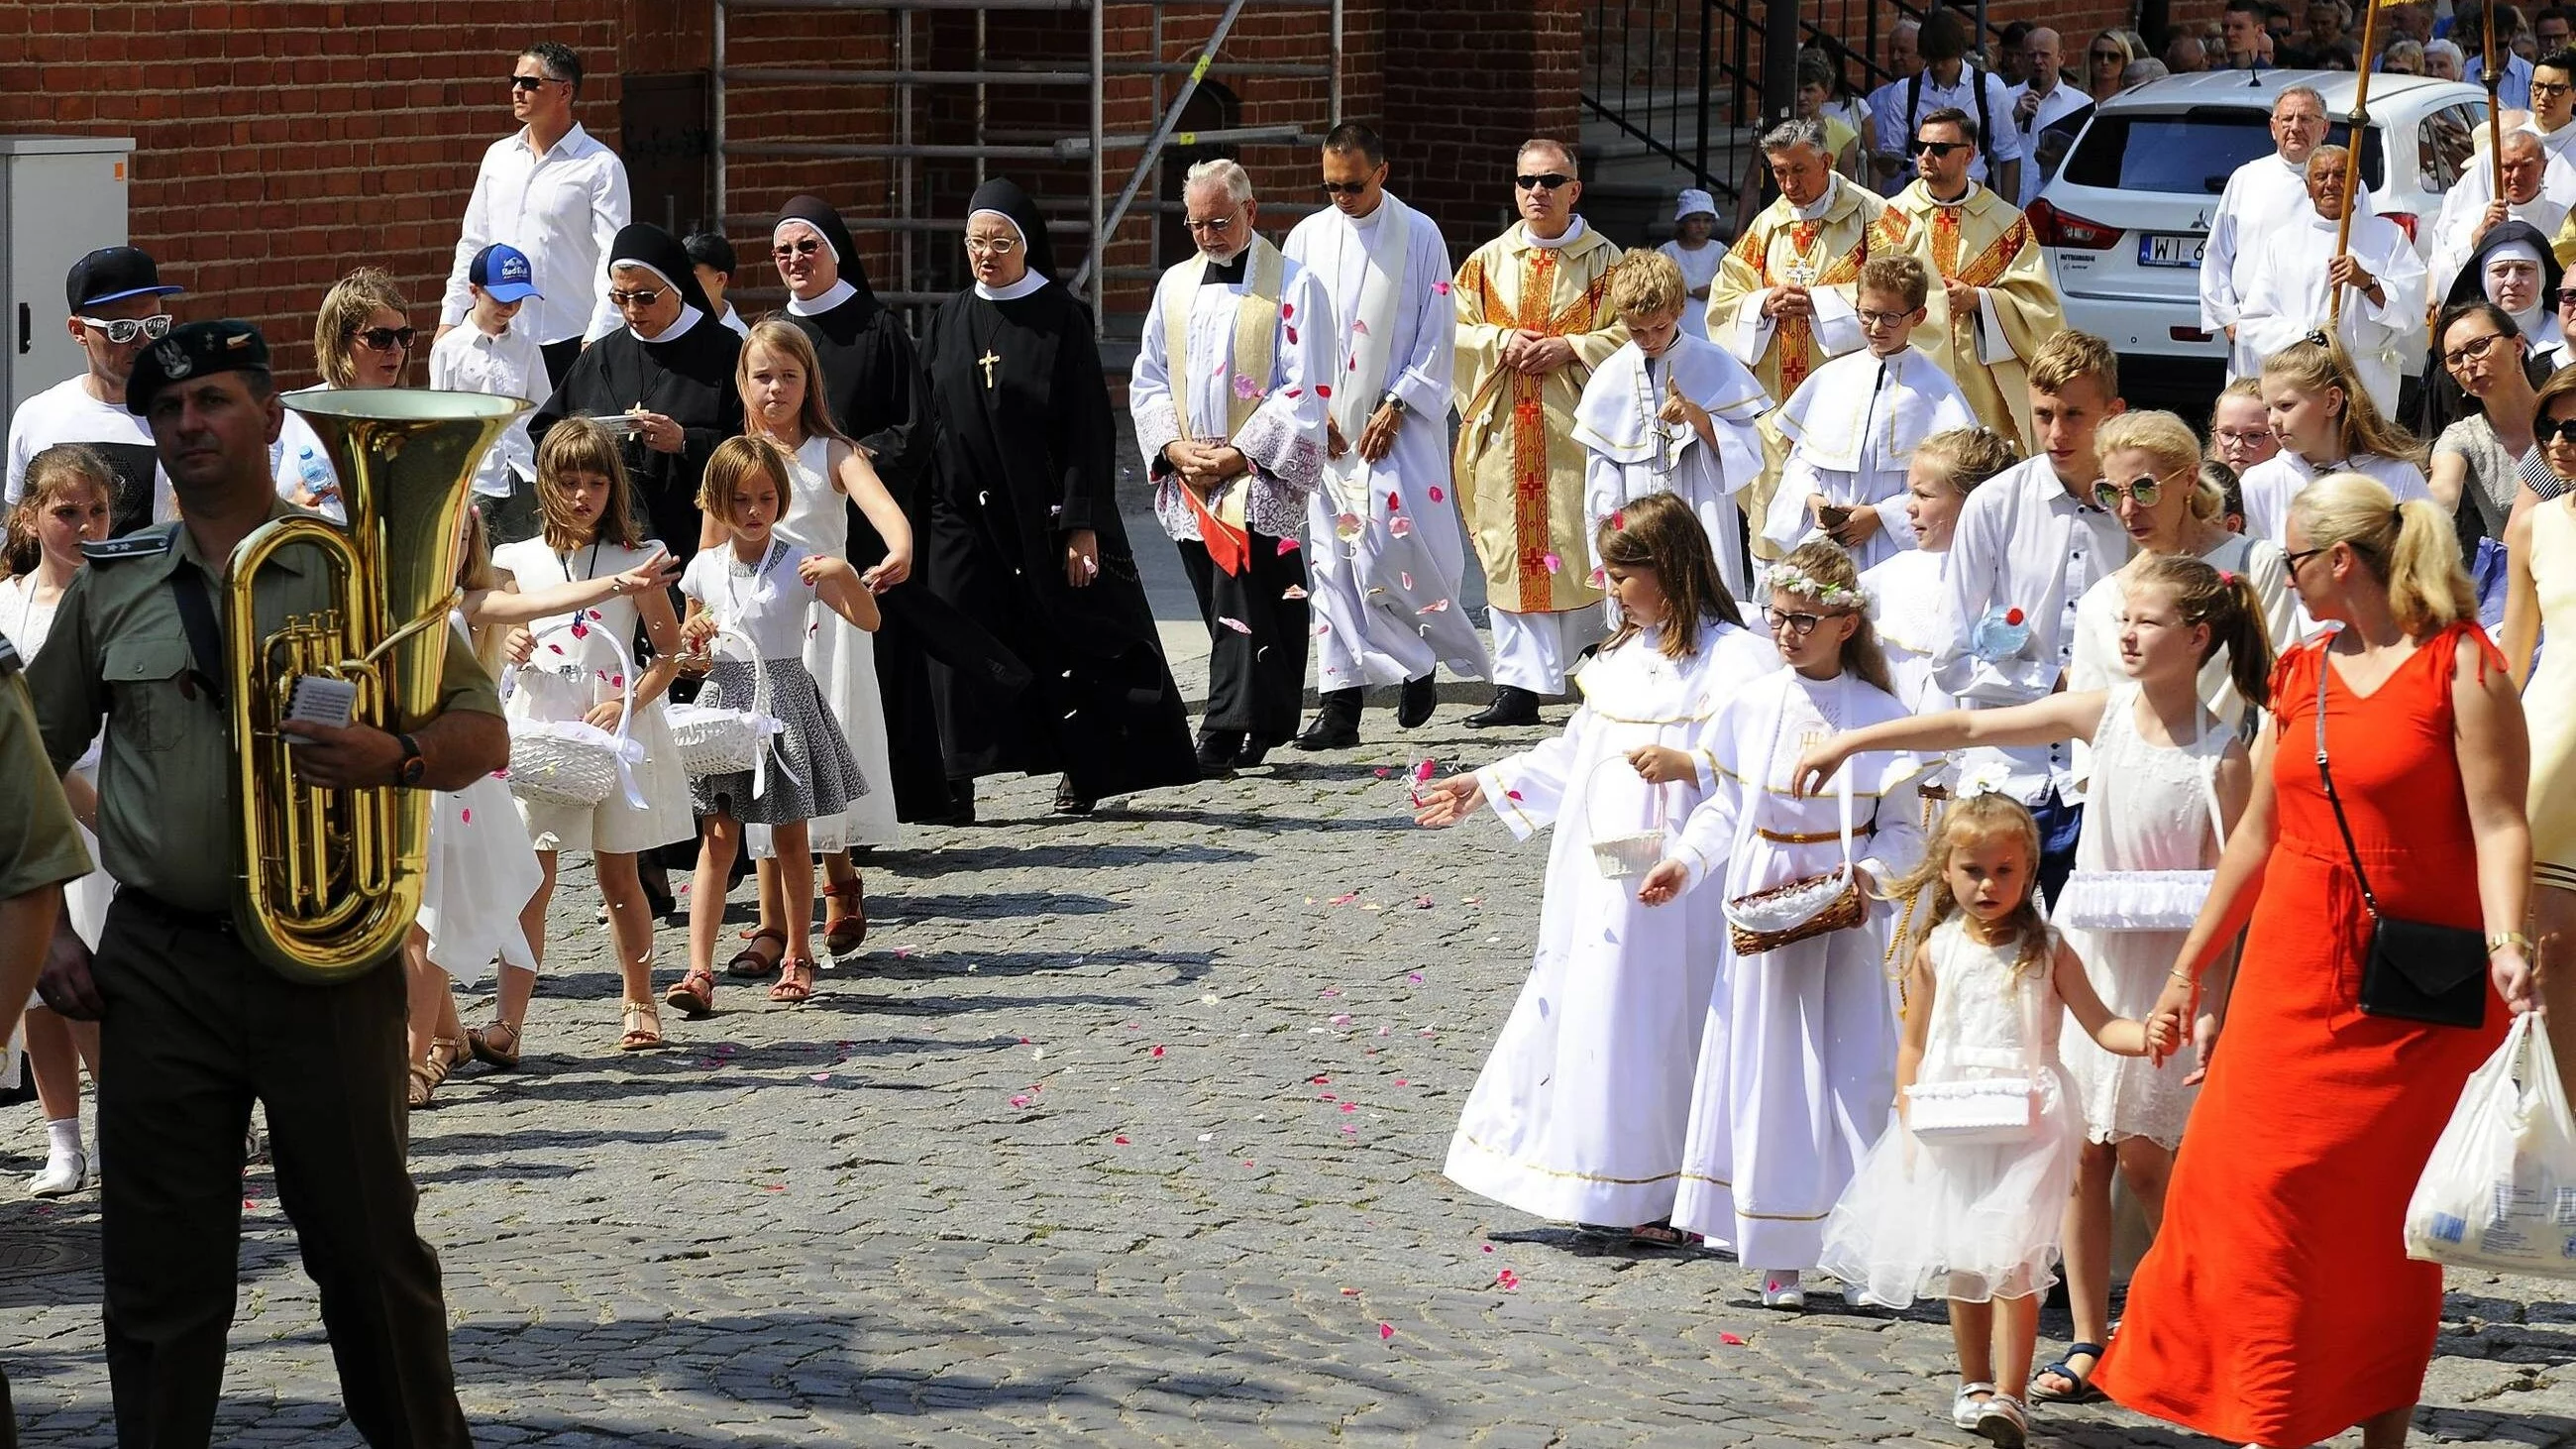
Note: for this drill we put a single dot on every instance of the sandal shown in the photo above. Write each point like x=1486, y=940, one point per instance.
x=694, y=994
x=2084, y=1392
x=751, y=965
x=2003, y=1422
x=481, y=1041
x=844, y=930
x=1969, y=1403
x=643, y=1027
x=795, y=980
x=1659, y=1234
x=429, y=1074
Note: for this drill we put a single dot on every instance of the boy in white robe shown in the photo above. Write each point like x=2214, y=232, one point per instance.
x=1669, y=413
x=1853, y=425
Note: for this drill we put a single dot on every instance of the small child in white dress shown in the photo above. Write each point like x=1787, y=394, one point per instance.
x=748, y=605
x=1975, y=1216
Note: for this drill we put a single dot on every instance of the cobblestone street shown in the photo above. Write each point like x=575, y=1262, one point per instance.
x=1125, y=1130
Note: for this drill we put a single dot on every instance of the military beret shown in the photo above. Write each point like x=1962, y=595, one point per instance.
x=194, y=350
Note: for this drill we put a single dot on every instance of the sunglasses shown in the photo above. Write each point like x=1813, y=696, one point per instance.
x=1544, y=181
x=644, y=298
x=532, y=82
x=1345, y=188
x=1938, y=149
x=1217, y=225
x=2475, y=347
x=384, y=339
x=2146, y=490
x=126, y=329
x=2109, y=57
x=801, y=247
x=2545, y=429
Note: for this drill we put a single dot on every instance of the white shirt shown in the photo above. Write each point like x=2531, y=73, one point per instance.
x=2004, y=145
x=2061, y=101
x=766, y=603
x=2268, y=487
x=733, y=319
x=2464, y=206
x=303, y=465
x=563, y=210
x=2263, y=195
x=66, y=413
x=1699, y=269
x=509, y=365
x=2287, y=296
x=2554, y=142
x=2023, y=542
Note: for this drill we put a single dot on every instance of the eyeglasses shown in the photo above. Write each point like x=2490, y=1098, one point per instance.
x=2290, y=562
x=1938, y=149
x=383, y=339
x=997, y=246
x=2148, y=490
x=2543, y=90
x=801, y=247
x=1215, y=225
x=1544, y=181
x=2245, y=437
x=1883, y=319
x=123, y=330
x=2475, y=347
x=1798, y=625
x=1345, y=188
x=532, y=82
x=645, y=298
x=2547, y=428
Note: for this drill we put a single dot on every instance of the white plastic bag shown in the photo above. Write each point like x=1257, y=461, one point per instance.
x=2500, y=1190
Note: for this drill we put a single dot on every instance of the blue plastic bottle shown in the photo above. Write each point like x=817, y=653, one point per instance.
x=2002, y=634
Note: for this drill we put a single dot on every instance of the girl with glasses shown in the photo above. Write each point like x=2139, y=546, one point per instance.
x=361, y=338
x=2240, y=431
x=2327, y=423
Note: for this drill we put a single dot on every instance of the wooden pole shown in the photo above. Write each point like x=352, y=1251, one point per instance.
x=2352, y=147
x=2494, y=77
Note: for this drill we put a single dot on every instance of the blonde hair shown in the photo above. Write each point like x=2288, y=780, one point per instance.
x=734, y=460
x=1969, y=820
x=1647, y=283
x=777, y=334
x=52, y=475
x=1962, y=458
x=2410, y=547
x=579, y=445
x=1826, y=565
x=345, y=309
x=2171, y=443
x=2069, y=356
x=474, y=572
x=2363, y=431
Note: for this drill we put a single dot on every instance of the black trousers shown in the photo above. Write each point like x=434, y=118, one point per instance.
x=195, y=1030
x=1256, y=674
x=559, y=356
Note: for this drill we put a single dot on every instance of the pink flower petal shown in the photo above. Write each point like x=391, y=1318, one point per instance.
x=1120, y=1139
x=1237, y=625
x=1342, y=1019
x=1359, y=327
x=1385, y=1331
x=1436, y=606
x=1436, y=494
x=1287, y=546
x=1400, y=526
x=1554, y=563
x=1158, y=1051
x=1404, y=578
x=1323, y=389
x=1730, y=1340
x=1507, y=1280
x=1440, y=287
x=1296, y=392
x=1287, y=310
x=1292, y=336
x=466, y=814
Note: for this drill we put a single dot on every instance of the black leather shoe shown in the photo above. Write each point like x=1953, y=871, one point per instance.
x=1511, y=706
x=1070, y=801
x=1337, y=722
x=1255, y=750
x=1413, y=709
x=1216, y=755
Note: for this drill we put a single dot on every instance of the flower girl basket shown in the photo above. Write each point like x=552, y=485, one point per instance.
x=572, y=762
x=1625, y=857
x=1783, y=915
x=719, y=741
x=2142, y=900
x=1983, y=1111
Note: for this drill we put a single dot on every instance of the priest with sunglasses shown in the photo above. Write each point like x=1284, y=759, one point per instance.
x=1994, y=298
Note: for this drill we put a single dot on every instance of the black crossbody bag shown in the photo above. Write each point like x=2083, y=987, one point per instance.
x=2412, y=970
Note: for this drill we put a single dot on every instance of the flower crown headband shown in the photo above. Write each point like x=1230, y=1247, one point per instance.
x=1786, y=580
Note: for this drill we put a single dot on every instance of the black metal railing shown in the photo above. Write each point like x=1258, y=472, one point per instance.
x=1648, y=65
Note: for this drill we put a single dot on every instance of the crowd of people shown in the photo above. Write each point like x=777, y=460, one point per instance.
x=1929, y=697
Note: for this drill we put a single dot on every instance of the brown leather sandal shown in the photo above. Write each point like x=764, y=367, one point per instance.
x=751, y=964
x=795, y=982
x=427, y=1076
x=694, y=994
x=483, y=1042
x=843, y=931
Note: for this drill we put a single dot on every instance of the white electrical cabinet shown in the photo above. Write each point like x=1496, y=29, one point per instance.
x=61, y=197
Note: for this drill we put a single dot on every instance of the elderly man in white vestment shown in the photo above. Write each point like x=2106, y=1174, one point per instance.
x=1228, y=395
x=2290, y=292
x=1384, y=554
x=2538, y=188
x=2262, y=196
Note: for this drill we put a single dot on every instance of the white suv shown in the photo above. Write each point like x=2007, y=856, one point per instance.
x=2127, y=215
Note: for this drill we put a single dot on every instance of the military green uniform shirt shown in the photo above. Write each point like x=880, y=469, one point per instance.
x=167, y=824
x=39, y=844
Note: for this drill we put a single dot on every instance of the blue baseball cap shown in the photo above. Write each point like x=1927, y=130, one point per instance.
x=502, y=270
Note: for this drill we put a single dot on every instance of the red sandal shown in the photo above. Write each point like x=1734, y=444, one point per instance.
x=843, y=931
x=694, y=994
x=751, y=964
x=795, y=982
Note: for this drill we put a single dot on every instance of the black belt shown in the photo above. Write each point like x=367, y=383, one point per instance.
x=162, y=910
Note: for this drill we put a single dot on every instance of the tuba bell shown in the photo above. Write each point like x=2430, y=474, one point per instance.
x=332, y=879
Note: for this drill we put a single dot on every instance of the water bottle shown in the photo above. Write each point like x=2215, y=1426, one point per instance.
x=316, y=473
x=2002, y=634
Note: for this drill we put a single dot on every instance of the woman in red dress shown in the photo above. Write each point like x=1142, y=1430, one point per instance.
x=2278, y=1306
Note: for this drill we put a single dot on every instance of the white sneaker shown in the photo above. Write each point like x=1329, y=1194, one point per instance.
x=2003, y=1422
x=65, y=1173
x=1968, y=1403
x=1782, y=1290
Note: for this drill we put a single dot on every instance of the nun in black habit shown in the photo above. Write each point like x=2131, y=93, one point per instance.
x=666, y=376
x=1024, y=533
x=872, y=384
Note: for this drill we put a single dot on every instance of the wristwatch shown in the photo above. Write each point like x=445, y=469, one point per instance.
x=408, y=773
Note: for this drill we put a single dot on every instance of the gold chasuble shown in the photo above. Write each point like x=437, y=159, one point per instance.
x=1984, y=242
x=1518, y=469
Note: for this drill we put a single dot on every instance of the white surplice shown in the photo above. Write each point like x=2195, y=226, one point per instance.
x=2287, y=297
x=1797, y=1060
x=2262, y=195
x=1580, y=1111
x=2268, y=487
x=1910, y=608
x=1383, y=545
x=1852, y=428
x=1630, y=452
x=2464, y=209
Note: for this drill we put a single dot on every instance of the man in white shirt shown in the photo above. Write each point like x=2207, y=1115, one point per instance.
x=2029, y=541
x=2263, y=196
x=556, y=195
x=115, y=295
x=493, y=355
x=1947, y=80
x=1892, y=165
x=2045, y=103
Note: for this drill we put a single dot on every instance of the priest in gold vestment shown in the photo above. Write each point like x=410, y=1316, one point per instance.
x=1995, y=299
x=1783, y=299
x=1534, y=320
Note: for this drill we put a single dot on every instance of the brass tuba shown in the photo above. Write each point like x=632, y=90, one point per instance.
x=332, y=878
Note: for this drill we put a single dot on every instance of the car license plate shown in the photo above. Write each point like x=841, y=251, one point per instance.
x=2171, y=249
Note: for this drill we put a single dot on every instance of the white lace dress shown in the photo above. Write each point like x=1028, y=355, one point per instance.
x=2151, y=808
x=1974, y=1222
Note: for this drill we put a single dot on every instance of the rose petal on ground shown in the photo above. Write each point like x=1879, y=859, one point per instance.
x=1730, y=1340
x=1120, y=1139
x=1385, y=1331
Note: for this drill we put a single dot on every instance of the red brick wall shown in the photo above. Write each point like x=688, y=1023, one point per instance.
x=1455, y=141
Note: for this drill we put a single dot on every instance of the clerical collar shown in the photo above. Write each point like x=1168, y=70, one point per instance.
x=833, y=296
x=1822, y=204
x=1959, y=200
x=1029, y=282
x=1228, y=273
x=689, y=317
x=1573, y=229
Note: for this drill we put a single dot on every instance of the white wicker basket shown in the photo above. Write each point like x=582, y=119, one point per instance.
x=1625, y=857
x=572, y=762
x=717, y=741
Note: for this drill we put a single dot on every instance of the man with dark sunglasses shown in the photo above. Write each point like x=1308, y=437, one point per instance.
x=1993, y=303
x=118, y=305
x=558, y=196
